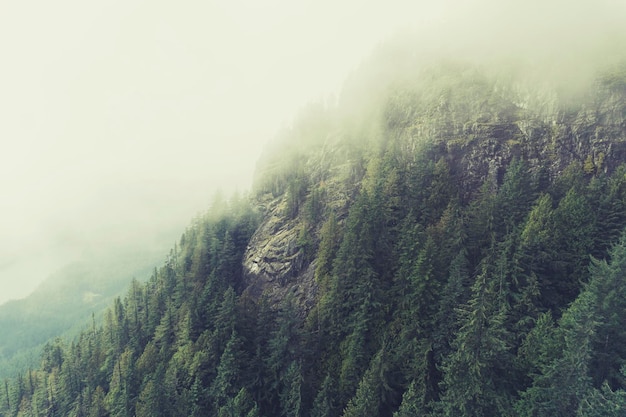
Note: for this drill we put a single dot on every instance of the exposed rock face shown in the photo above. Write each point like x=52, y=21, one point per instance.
x=477, y=145
x=274, y=260
x=593, y=136
x=277, y=261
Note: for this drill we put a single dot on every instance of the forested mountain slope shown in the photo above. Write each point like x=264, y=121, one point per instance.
x=444, y=241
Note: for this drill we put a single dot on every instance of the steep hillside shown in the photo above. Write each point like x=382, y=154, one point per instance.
x=444, y=241
x=454, y=124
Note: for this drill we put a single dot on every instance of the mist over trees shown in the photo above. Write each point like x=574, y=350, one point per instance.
x=446, y=239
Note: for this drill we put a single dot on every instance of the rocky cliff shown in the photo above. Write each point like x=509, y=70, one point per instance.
x=476, y=122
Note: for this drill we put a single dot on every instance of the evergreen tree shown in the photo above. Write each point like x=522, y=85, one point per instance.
x=239, y=406
x=97, y=408
x=291, y=395
x=564, y=381
x=475, y=378
x=412, y=405
x=608, y=282
x=224, y=386
x=152, y=399
x=120, y=397
x=573, y=240
x=603, y=402
x=584, y=328
x=324, y=404
x=453, y=295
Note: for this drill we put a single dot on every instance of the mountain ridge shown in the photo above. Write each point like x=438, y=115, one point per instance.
x=451, y=246
x=476, y=151
x=63, y=305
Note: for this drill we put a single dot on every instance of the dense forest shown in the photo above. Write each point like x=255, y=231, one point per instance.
x=444, y=240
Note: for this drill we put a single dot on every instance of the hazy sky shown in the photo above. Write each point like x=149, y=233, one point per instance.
x=118, y=118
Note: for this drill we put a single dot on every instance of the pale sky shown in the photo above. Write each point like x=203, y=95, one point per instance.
x=120, y=118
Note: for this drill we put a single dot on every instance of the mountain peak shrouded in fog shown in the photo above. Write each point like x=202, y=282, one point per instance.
x=112, y=97
x=100, y=100
x=446, y=237
x=443, y=240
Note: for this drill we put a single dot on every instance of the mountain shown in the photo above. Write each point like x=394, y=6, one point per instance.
x=445, y=240
x=64, y=303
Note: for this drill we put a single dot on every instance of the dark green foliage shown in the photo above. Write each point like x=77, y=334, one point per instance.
x=476, y=374
x=608, y=282
x=585, y=350
x=225, y=384
x=325, y=400
x=367, y=399
x=239, y=406
x=290, y=393
x=564, y=380
x=455, y=258
x=603, y=402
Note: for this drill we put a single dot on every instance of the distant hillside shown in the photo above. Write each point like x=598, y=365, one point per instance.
x=65, y=303
x=448, y=240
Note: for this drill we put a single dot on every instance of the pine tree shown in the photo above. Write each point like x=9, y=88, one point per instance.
x=475, y=378
x=291, y=395
x=564, y=381
x=354, y=353
x=454, y=294
x=97, y=408
x=324, y=404
x=514, y=198
x=120, y=397
x=608, y=282
x=239, y=406
x=367, y=400
x=412, y=404
x=225, y=384
x=603, y=402
x=574, y=231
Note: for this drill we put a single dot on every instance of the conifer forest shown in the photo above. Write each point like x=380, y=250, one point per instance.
x=443, y=240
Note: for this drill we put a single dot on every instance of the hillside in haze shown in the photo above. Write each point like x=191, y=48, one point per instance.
x=447, y=239
x=65, y=302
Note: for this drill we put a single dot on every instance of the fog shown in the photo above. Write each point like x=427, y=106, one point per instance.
x=120, y=119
